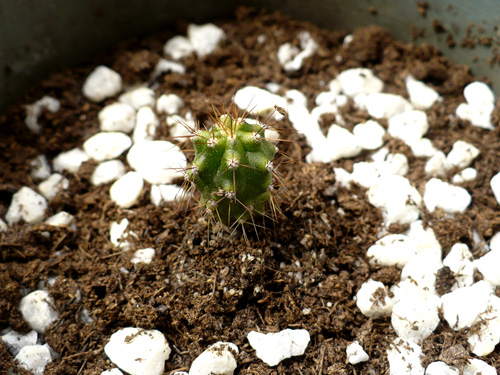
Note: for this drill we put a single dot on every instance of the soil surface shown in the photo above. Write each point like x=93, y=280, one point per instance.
x=205, y=285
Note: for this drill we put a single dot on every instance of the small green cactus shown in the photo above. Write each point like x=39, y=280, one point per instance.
x=233, y=169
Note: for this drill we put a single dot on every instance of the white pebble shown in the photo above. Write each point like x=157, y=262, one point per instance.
x=421, y=95
x=495, y=242
x=478, y=367
x=468, y=174
x=166, y=193
x=342, y=177
x=488, y=266
x=398, y=200
x=459, y=260
x=62, y=220
x=450, y=198
x=462, y=154
x=382, y=105
x=258, y=101
x=16, y=341
x=27, y=205
x=409, y=126
x=293, y=58
x=286, y=53
x=342, y=143
x=40, y=168
x=113, y=371
x=487, y=336
x=70, y=160
x=102, y=83
x=117, y=117
x=38, y=311
x=146, y=124
x=369, y=135
x=462, y=306
x=423, y=148
x=169, y=104
x=392, y=250
x=126, y=190
x=33, y=111
x=415, y=316
x=137, y=351
x=138, y=97
x=373, y=299
x=53, y=186
x=477, y=93
x=272, y=348
x=480, y=105
x=437, y=165
x=404, y=358
x=218, y=359
x=495, y=186
x=441, y=368
x=181, y=127
x=117, y=233
x=359, y=81
x=158, y=162
x=428, y=247
x=205, y=38
x=422, y=272
x=34, y=358
x=164, y=66
x=107, y=172
x=178, y=47
x=356, y=354
x=3, y=226
x=107, y=145
x=143, y=256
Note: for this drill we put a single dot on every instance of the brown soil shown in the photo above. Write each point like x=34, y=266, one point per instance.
x=205, y=286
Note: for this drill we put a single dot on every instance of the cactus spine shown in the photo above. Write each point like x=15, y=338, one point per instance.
x=233, y=169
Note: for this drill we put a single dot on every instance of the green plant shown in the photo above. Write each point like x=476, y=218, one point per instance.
x=233, y=169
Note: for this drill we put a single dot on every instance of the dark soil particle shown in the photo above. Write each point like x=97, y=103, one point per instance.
x=204, y=284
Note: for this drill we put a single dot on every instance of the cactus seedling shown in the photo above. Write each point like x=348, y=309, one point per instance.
x=233, y=169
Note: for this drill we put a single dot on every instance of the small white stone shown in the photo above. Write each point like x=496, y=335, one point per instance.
x=441, y=368
x=218, y=359
x=342, y=143
x=392, y=250
x=397, y=164
x=342, y=177
x=495, y=186
x=70, y=160
x=398, y=200
x=462, y=154
x=369, y=135
x=137, y=351
x=3, y=226
x=107, y=145
x=437, y=165
x=404, y=358
x=16, y=341
x=421, y=95
x=27, y=205
x=145, y=125
x=178, y=47
x=478, y=367
x=117, y=117
x=166, y=193
x=62, y=220
x=495, y=242
x=138, y=97
x=359, y=81
x=488, y=266
x=272, y=348
x=38, y=311
x=487, y=336
x=356, y=354
x=40, y=168
x=126, y=190
x=428, y=247
x=113, y=371
x=423, y=148
x=259, y=101
x=469, y=174
x=382, y=105
x=422, y=272
x=33, y=111
x=459, y=260
x=181, y=127
x=143, y=256
x=478, y=93
x=158, y=162
x=205, y=38
x=415, y=316
x=479, y=116
x=164, y=66
x=409, y=126
x=102, y=83
x=462, y=306
x=450, y=198
x=373, y=299
x=117, y=233
x=107, y=172
x=34, y=358
x=53, y=186
x=291, y=58
x=169, y=104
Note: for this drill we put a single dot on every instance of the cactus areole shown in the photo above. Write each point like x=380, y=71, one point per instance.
x=233, y=169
